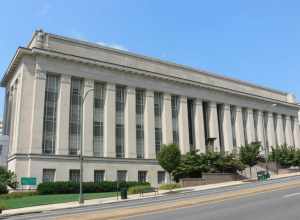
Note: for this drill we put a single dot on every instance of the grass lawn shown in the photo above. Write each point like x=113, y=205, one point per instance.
x=27, y=201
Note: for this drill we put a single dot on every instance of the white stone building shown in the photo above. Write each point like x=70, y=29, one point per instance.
x=133, y=104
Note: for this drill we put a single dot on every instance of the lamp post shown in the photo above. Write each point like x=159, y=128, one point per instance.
x=81, y=197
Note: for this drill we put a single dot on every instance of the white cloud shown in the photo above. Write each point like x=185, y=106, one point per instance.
x=113, y=45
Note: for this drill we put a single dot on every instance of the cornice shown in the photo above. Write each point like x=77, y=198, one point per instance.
x=86, y=158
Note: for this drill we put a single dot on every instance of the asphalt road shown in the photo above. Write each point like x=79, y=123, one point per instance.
x=277, y=205
x=216, y=211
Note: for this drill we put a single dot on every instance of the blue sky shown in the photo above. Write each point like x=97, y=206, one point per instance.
x=257, y=41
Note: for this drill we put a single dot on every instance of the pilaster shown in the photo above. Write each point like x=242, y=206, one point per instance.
x=199, y=127
x=227, y=129
x=279, y=130
x=110, y=121
x=149, y=131
x=213, y=125
x=39, y=86
x=271, y=131
x=239, y=128
x=183, y=126
x=250, y=126
x=296, y=132
x=87, y=117
x=288, y=131
x=130, y=123
x=167, y=132
x=63, y=111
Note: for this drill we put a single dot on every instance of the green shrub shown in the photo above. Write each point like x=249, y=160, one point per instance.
x=88, y=187
x=3, y=189
x=285, y=156
x=169, y=186
x=139, y=189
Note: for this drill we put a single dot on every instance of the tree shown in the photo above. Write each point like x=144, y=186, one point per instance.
x=249, y=155
x=8, y=178
x=169, y=157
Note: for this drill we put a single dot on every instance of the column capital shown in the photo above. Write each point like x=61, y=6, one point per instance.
x=278, y=116
x=149, y=93
x=238, y=108
x=199, y=102
x=167, y=96
x=249, y=111
x=287, y=117
x=212, y=104
x=40, y=74
x=88, y=83
x=226, y=106
x=130, y=90
x=111, y=87
x=183, y=99
x=66, y=79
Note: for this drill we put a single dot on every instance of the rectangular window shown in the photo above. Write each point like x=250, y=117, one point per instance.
x=140, y=106
x=205, y=119
x=255, y=118
x=161, y=177
x=75, y=116
x=99, y=100
x=244, y=115
x=142, y=176
x=50, y=110
x=265, y=118
x=275, y=128
x=158, y=103
x=74, y=176
x=122, y=175
x=99, y=176
x=283, y=122
x=191, y=118
x=175, y=111
x=120, y=106
x=220, y=113
x=233, y=118
x=48, y=175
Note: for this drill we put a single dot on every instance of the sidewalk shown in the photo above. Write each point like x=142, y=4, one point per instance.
x=50, y=207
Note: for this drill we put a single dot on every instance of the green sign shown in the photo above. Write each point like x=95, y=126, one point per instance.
x=28, y=181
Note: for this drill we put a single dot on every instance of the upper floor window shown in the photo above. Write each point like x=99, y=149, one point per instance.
x=175, y=111
x=140, y=102
x=50, y=113
x=99, y=99
x=158, y=104
x=120, y=107
x=75, y=116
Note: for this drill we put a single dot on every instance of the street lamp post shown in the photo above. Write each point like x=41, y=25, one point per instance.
x=81, y=197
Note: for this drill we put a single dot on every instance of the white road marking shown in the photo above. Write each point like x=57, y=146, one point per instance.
x=291, y=195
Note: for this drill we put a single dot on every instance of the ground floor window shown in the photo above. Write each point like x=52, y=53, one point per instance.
x=74, y=176
x=142, y=176
x=99, y=176
x=121, y=175
x=161, y=177
x=48, y=175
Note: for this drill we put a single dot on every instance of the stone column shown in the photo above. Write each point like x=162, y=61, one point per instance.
x=63, y=111
x=213, y=128
x=39, y=86
x=199, y=127
x=260, y=127
x=296, y=132
x=167, y=132
x=271, y=131
x=149, y=131
x=130, y=124
x=13, y=92
x=87, y=118
x=227, y=129
x=288, y=131
x=110, y=121
x=250, y=126
x=239, y=128
x=183, y=125
x=279, y=130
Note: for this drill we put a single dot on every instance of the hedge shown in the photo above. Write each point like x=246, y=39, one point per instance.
x=139, y=189
x=3, y=189
x=88, y=187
